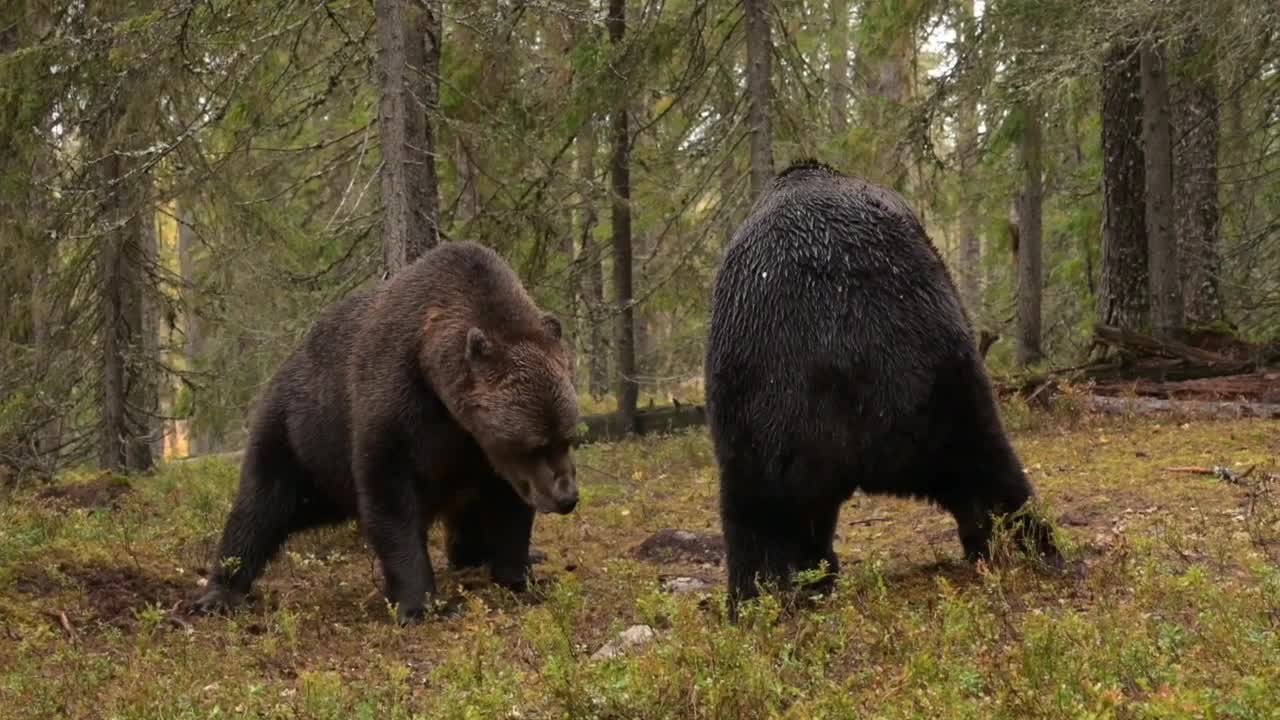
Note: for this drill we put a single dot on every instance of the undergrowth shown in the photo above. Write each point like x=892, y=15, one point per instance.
x=1169, y=608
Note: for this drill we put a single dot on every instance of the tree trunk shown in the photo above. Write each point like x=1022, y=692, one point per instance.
x=113, y=286
x=147, y=446
x=469, y=191
x=592, y=281
x=44, y=322
x=46, y=441
x=888, y=32
x=1196, y=198
x=760, y=93
x=1122, y=298
x=970, y=264
x=1162, y=247
x=561, y=33
x=727, y=98
x=408, y=72
x=193, y=341
x=598, y=341
x=123, y=441
x=838, y=67
x=620, y=182
x=1029, y=240
x=645, y=338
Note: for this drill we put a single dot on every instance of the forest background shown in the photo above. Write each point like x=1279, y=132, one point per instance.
x=184, y=185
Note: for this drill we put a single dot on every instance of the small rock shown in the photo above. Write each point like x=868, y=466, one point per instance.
x=1074, y=519
x=633, y=636
x=685, y=584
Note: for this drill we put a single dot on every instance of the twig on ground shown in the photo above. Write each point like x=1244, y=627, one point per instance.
x=606, y=473
x=65, y=623
x=870, y=520
x=1222, y=472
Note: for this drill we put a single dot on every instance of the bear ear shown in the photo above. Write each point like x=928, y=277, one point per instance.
x=552, y=324
x=478, y=346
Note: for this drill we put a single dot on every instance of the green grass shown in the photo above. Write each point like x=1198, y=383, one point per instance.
x=1175, y=613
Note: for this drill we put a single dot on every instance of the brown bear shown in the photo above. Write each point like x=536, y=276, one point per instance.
x=444, y=393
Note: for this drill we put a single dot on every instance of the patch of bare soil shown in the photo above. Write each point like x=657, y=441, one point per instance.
x=112, y=595
x=673, y=545
x=104, y=492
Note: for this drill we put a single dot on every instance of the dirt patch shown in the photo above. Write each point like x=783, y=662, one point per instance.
x=115, y=593
x=35, y=581
x=922, y=578
x=111, y=594
x=104, y=492
x=673, y=545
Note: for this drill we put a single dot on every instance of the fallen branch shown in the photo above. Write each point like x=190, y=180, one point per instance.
x=1222, y=472
x=986, y=339
x=870, y=520
x=65, y=623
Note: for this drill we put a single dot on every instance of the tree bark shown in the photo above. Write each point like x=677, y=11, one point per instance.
x=469, y=191
x=727, y=98
x=838, y=67
x=409, y=35
x=598, y=340
x=1123, y=299
x=193, y=340
x=123, y=442
x=1162, y=247
x=1196, y=192
x=760, y=94
x=1029, y=239
x=620, y=181
x=970, y=244
x=147, y=445
x=888, y=29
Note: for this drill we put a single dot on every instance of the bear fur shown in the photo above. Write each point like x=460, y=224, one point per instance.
x=442, y=394
x=839, y=358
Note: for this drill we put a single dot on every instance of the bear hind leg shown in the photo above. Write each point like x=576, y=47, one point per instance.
x=273, y=501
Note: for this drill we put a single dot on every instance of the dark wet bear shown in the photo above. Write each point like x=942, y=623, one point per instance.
x=443, y=394
x=839, y=357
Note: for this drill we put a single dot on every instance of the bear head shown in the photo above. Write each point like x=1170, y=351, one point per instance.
x=520, y=405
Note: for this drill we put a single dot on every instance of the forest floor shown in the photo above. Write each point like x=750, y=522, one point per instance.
x=1172, y=610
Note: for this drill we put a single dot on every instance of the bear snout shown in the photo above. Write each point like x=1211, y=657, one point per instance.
x=567, y=502
x=564, y=492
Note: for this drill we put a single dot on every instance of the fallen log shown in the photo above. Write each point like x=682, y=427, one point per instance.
x=1109, y=374
x=1137, y=343
x=1255, y=387
x=658, y=421
x=604, y=427
x=1186, y=408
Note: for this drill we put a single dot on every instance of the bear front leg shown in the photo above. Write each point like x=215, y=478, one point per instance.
x=493, y=529
x=770, y=542
x=392, y=520
x=1004, y=492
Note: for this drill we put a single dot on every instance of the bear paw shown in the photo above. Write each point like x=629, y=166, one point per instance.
x=216, y=601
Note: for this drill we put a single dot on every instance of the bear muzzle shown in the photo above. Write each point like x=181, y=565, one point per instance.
x=560, y=498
